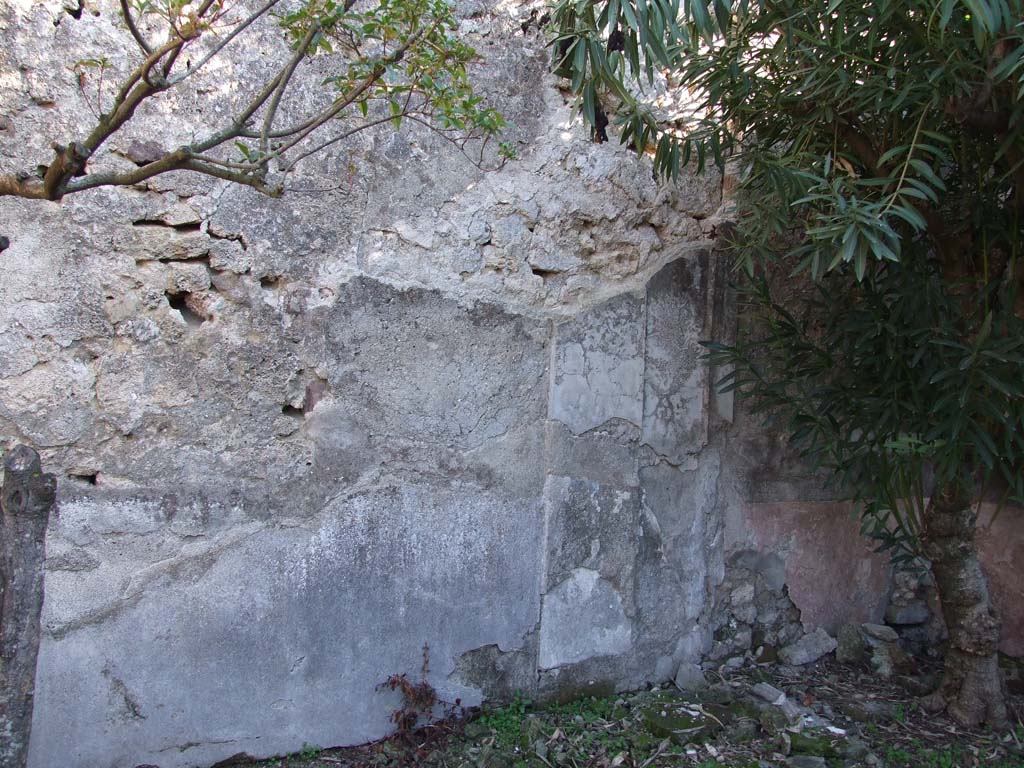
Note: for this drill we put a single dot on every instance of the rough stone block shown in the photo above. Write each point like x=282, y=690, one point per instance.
x=689, y=677
x=809, y=648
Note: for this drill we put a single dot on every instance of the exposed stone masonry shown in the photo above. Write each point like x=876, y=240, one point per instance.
x=754, y=616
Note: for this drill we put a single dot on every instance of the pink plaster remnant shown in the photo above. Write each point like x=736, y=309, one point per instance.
x=832, y=574
x=1001, y=548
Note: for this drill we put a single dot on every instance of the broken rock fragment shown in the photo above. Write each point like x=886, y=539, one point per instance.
x=808, y=648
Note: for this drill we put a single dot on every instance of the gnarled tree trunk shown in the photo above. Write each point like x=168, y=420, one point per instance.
x=972, y=688
x=26, y=501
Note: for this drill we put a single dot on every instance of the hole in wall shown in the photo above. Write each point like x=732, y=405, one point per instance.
x=86, y=478
x=270, y=282
x=192, y=226
x=291, y=410
x=315, y=392
x=544, y=274
x=179, y=301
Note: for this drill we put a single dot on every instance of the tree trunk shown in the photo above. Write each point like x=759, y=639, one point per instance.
x=26, y=500
x=972, y=688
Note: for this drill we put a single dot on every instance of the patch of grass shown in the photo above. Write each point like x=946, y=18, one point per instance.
x=309, y=751
x=506, y=723
x=896, y=757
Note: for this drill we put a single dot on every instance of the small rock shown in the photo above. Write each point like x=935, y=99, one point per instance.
x=808, y=648
x=769, y=693
x=742, y=595
x=816, y=745
x=663, y=669
x=850, y=645
x=741, y=732
x=719, y=693
x=855, y=749
x=745, y=613
x=880, y=632
x=766, y=654
x=887, y=659
x=144, y=152
x=541, y=749
x=286, y=425
x=794, y=712
x=690, y=678
x=773, y=720
x=783, y=742
x=679, y=722
x=919, y=686
x=180, y=215
x=913, y=612
x=866, y=710
x=480, y=232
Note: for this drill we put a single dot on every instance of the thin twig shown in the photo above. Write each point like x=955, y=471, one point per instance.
x=283, y=80
x=225, y=42
x=126, y=12
x=342, y=137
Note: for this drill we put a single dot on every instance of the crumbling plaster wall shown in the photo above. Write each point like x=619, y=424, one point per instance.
x=298, y=439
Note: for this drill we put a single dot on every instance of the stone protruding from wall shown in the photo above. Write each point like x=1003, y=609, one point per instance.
x=754, y=616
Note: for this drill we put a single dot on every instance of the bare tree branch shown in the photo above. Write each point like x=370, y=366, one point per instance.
x=282, y=82
x=224, y=43
x=181, y=159
x=126, y=11
x=341, y=137
x=13, y=186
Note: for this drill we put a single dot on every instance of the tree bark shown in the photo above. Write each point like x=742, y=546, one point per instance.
x=972, y=689
x=26, y=499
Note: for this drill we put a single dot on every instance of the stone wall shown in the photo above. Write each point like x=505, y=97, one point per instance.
x=299, y=439
x=410, y=403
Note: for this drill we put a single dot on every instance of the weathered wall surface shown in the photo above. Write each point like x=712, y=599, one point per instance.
x=300, y=439
x=410, y=403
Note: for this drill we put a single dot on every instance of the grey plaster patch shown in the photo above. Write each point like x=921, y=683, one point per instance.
x=675, y=417
x=582, y=617
x=606, y=454
x=598, y=365
x=354, y=597
x=593, y=527
x=499, y=674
